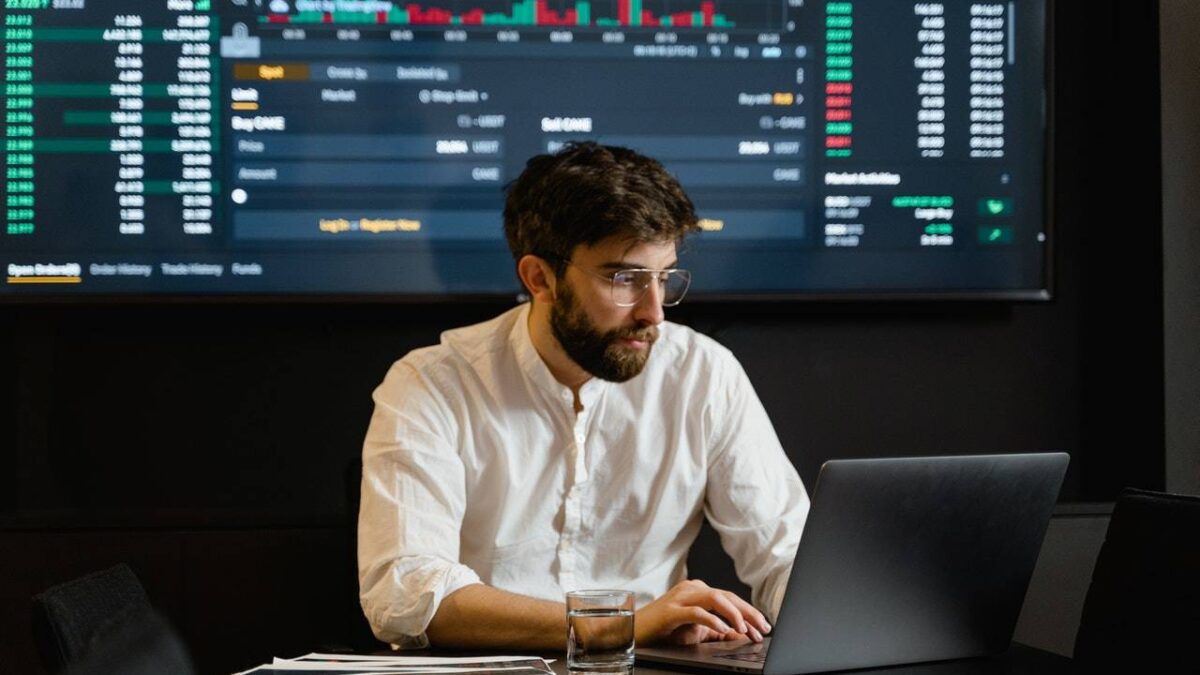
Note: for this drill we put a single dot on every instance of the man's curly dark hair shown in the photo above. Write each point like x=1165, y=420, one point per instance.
x=587, y=193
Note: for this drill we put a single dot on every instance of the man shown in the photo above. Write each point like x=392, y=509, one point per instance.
x=574, y=442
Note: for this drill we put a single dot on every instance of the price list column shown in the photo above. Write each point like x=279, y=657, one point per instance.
x=931, y=64
x=989, y=32
x=839, y=79
x=195, y=118
x=127, y=105
x=19, y=170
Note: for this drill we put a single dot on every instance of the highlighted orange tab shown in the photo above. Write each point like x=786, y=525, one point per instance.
x=291, y=72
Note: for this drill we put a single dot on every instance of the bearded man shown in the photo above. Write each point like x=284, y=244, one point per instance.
x=575, y=441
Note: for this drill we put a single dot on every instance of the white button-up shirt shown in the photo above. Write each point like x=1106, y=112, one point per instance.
x=476, y=468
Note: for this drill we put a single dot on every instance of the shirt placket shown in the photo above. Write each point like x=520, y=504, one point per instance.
x=569, y=541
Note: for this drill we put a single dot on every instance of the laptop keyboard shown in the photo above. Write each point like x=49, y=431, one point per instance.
x=751, y=657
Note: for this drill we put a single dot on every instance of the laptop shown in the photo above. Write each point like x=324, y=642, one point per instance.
x=902, y=560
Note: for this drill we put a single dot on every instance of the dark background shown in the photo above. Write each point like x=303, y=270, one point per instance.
x=208, y=444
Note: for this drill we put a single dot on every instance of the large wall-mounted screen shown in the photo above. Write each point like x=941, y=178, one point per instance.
x=874, y=148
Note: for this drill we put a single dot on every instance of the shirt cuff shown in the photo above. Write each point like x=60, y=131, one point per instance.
x=403, y=624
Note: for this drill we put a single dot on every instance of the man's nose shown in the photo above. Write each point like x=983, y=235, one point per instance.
x=649, y=309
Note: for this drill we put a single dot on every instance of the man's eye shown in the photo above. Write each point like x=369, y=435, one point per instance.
x=624, y=279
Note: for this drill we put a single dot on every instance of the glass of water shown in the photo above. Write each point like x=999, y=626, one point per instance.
x=600, y=630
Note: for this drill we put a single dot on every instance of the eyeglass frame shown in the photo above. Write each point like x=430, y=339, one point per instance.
x=612, y=280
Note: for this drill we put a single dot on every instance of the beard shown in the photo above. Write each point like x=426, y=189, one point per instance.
x=600, y=353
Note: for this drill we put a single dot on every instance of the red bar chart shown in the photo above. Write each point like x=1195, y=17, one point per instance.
x=540, y=13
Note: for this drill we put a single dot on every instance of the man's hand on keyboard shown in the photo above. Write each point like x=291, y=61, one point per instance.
x=693, y=612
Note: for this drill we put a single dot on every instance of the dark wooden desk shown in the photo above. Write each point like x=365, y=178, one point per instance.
x=1018, y=660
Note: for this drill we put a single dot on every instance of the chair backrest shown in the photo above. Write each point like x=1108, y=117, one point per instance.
x=137, y=641
x=1143, y=605
x=68, y=617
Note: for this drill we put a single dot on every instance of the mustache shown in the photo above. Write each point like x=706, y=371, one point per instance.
x=647, y=334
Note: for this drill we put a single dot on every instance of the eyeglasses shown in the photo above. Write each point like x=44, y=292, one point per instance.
x=629, y=286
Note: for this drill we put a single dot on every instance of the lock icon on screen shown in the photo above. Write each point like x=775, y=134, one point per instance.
x=240, y=45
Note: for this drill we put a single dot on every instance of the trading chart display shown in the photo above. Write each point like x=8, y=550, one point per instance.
x=360, y=147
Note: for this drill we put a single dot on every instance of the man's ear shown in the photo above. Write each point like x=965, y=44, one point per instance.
x=538, y=277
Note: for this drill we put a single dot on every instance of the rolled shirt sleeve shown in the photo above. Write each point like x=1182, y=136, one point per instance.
x=411, y=510
x=755, y=499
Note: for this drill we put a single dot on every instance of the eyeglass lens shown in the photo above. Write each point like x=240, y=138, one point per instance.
x=630, y=285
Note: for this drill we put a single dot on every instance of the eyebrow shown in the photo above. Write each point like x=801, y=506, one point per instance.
x=617, y=265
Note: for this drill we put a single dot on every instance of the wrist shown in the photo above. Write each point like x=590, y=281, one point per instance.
x=641, y=628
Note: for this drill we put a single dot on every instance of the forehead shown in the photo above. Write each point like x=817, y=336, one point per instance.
x=616, y=253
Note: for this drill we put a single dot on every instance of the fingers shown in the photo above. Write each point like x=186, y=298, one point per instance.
x=692, y=611
x=727, y=605
x=692, y=634
x=737, y=612
x=701, y=616
x=748, y=611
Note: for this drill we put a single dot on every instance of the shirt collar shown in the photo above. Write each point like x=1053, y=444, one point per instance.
x=538, y=372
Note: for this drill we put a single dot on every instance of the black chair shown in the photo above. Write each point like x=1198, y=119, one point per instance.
x=1142, y=610
x=137, y=641
x=67, y=617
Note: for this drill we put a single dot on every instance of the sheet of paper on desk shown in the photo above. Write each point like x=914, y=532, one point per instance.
x=456, y=661
x=347, y=664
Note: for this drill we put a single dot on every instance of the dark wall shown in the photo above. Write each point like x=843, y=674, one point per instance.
x=207, y=444
x=1180, y=22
